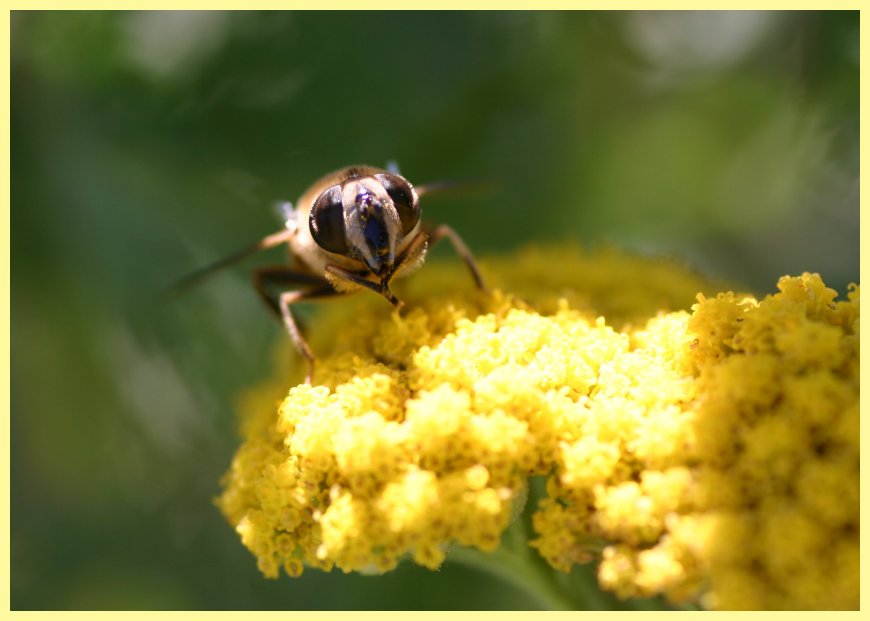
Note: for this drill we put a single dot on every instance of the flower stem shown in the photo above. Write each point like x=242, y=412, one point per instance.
x=517, y=564
x=516, y=571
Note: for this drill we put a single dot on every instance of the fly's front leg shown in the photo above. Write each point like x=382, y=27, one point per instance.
x=379, y=288
x=285, y=300
x=442, y=231
x=267, y=278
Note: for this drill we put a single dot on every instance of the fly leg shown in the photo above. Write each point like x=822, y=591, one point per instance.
x=382, y=288
x=267, y=279
x=440, y=232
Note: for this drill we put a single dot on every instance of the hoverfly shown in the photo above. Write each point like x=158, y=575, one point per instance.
x=356, y=228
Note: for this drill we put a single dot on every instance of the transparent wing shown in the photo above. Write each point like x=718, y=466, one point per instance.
x=186, y=282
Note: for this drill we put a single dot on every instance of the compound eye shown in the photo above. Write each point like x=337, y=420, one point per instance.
x=326, y=221
x=403, y=198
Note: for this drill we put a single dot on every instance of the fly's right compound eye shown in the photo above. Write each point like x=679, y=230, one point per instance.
x=404, y=200
x=326, y=222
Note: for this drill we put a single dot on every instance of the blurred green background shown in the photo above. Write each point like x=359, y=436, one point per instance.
x=145, y=144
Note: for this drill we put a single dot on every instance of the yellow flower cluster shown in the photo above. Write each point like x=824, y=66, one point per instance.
x=742, y=468
x=711, y=454
x=777, y=427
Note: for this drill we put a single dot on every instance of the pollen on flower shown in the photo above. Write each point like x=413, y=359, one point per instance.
x=709, y=456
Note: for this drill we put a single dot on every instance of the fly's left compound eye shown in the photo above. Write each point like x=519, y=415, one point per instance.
x=326, y=221
x=403, y=198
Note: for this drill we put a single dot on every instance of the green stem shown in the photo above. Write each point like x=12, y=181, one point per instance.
x=518, y=564
x=516, y=571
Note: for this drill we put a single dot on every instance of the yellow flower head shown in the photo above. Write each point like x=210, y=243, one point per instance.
x=663, y=434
